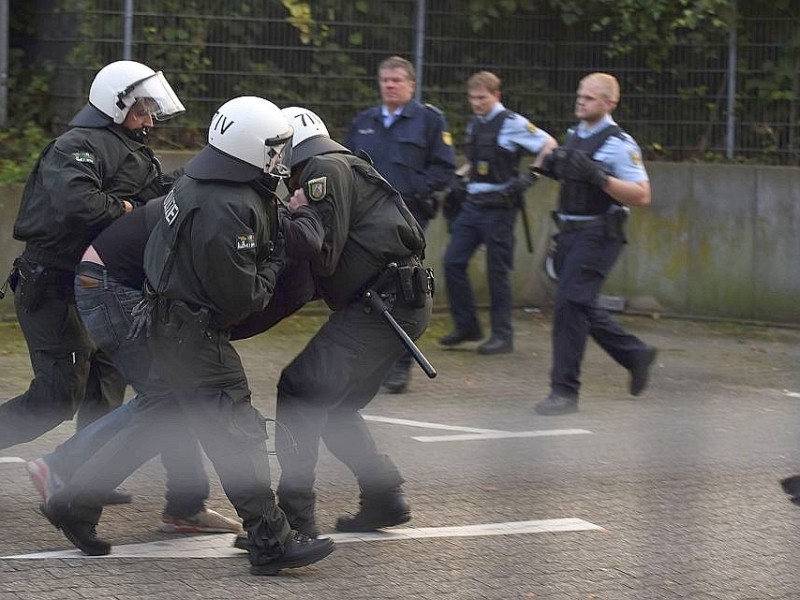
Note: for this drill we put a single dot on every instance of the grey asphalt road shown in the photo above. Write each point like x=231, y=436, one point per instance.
x=678, y=490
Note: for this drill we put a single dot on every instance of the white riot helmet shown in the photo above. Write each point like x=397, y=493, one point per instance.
x=311, y=136
x=119, y=85
x=247, y=138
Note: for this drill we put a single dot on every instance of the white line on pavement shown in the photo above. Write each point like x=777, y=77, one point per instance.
x=220, y=546
x=11, y=460
x=498, y=435
x=471, y=433
x=426, y=425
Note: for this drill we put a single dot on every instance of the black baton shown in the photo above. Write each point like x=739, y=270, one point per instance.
x=377, y=304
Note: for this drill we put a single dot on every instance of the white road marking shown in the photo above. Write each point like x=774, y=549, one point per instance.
x=426, y=425
x=12, y=460
x=498, y=435
x=220, y=546
x=792, y=394
x=471, y=433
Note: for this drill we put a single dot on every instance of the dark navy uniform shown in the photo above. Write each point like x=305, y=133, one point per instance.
x=494, y=146
x=415, y=153
x=321, y=392
x=75, y=190
x=589, y=241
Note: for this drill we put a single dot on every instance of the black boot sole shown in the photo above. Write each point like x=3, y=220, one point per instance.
x=98, y=548
x=303, y=560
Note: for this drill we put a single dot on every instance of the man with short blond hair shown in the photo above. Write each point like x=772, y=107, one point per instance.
x=601, y=173
x=495, y=142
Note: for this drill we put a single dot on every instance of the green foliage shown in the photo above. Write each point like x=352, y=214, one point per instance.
x=19, y=149
x=324, y=54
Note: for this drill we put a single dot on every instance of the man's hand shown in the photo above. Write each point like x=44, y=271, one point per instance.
x=127, y=207
x=297, y=200
x=522, y=182
x=585, y=169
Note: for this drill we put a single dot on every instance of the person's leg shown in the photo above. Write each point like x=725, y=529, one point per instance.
x=499, y=237
x=105, y=307
x=59, y=352
x=208, y=381
x=105, y=390
x=340, y=372
x=465, y=238
x=582, y=264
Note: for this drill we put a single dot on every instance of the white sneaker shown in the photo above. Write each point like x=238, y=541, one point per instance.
x=206, y=521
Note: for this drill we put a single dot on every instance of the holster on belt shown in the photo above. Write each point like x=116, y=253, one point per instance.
x=412, y=282
x=31, y=278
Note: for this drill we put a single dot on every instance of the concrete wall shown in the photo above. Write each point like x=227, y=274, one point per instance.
x=718, y=241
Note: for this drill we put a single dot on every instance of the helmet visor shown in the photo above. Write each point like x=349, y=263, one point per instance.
x=157, y=95
x=278, y=155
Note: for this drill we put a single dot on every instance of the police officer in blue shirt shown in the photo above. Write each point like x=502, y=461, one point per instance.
x=601, y=174
x=496, y=138
x=410, y=145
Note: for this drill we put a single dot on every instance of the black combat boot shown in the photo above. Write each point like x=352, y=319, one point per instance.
x=377, y=510
x=82, y=534
x=298, y=551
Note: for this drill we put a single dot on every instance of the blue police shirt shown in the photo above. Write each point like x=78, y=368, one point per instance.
x=620, y=155
x=414, y=154
x=515, y=134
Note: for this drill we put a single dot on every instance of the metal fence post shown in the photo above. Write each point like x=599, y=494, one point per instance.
x=4, y=33
x=419, y=47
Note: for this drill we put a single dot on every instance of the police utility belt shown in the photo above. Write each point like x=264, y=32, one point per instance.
x=493, y=200
x=406, y=279
x=612, y=222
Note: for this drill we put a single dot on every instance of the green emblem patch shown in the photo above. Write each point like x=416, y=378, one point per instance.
x=317, y=189
x=84, y=157
x=245, y=241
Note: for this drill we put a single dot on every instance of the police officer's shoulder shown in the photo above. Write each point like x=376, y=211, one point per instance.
x=435, y=109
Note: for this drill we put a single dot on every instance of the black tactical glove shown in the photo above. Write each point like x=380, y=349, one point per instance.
x=585, y=169
x=554, y=164
x=522, y=182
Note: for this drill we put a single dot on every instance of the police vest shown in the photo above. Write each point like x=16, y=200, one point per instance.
x=490, y=162
x=579, y=197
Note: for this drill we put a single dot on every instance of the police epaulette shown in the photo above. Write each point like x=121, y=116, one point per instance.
x=435, y=109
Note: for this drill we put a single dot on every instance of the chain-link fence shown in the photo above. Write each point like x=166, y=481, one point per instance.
x=212, y=50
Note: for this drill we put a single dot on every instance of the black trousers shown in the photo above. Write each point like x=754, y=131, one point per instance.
x=583, y=260
x=69, y=374
x=197, y=380
x=321, y=392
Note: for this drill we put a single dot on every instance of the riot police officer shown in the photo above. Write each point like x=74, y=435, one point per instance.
x=89, y=176
x=372, y=244
x=601, y=173
x=212, y=259
x=410, y=145
x=496, y=138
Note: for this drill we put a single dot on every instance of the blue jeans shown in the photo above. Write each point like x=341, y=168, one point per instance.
x=105, y=307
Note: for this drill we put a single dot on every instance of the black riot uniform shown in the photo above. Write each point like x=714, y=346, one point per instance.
x=321, y=392
x=75, y=190
x=209, y=263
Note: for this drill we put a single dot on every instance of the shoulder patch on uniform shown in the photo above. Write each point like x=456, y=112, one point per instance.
x=447, y=138
x=532, y=128
x=435, y=109
x=245, y=241
x=636, y=157
x=317, y=188
x=84, y=157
